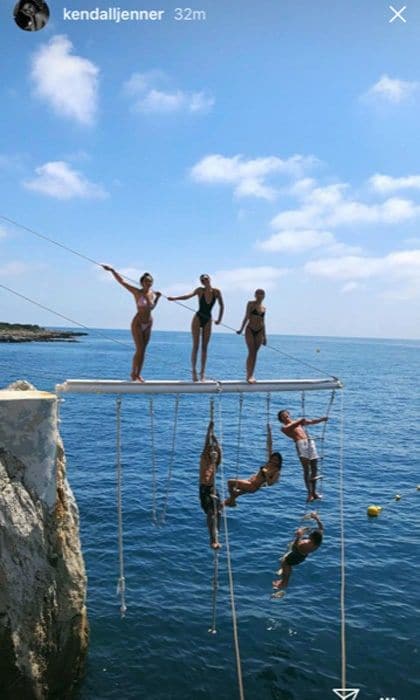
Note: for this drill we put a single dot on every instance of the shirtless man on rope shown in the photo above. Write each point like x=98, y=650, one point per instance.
x=302, y=545
x=267, y=475
x=305, y=446
x=209, y=498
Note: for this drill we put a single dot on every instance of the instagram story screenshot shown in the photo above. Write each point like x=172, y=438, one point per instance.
x=209, y=350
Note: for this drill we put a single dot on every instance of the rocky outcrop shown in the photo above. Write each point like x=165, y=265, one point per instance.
x=43, y=621
x=25, y=333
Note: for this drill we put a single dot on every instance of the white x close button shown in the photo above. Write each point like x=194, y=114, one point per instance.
x=398, y=14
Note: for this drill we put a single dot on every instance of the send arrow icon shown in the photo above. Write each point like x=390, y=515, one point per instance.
x=347, y=693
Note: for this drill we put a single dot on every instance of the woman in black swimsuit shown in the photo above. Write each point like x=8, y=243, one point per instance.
x=201, y=323
x=255, y=331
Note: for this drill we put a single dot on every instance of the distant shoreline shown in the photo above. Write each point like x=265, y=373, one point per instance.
x=27, y=333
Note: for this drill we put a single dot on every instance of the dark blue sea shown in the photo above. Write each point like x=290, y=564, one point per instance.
x=290, y=648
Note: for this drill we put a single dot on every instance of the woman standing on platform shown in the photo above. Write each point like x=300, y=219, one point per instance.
x=254, y=332
x=202, y=320
x=141, y=325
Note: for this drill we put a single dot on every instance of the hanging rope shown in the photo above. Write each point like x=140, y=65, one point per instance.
x=230, y=572
x=215, y=530
x=161, y=518
x=269, y=439
x=239, y=434
x=121, y=579
x=154, y=470
x=322, y=441
x=268, y=405
x=215, y=586
x=342, y=555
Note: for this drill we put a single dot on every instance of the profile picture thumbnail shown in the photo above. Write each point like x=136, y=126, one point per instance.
x=31, y=15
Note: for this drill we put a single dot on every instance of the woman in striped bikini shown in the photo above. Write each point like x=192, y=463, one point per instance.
x=254, y=332
x=141, y=325
x=202, y=320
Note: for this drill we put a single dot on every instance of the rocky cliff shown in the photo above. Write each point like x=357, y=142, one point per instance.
x=43, y=621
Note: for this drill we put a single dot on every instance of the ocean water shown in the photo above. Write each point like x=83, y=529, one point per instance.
x=290, y=648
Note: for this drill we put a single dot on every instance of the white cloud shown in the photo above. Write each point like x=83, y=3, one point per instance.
x=13, y=268
x=247, y=279
x=58, y=179
x=413, y=241
x=328, y=207
x=248, y=176
x=302, y=241
x=296, y=241
x=392, y=89
x=398, y=264
x=384, y=184
x=68, y=83
x=148, y=96
x=339, y=248
x=351, y=287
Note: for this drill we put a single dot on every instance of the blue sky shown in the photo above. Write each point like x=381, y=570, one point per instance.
x=273, y=144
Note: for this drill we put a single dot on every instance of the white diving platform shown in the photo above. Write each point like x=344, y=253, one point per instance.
x=226, y=386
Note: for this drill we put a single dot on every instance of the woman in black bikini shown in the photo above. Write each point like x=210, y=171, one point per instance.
x=255, y=332
x=201, y=323
x=141, y=325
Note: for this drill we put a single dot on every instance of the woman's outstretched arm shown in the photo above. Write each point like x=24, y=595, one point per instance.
x=183, y=297
x=119, y=279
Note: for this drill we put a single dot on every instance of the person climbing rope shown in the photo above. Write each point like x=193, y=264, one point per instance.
x=209, y=497
x=302, y=545
x=267, y=475
x=141, y=325
x=305, y=446
x=202, y=320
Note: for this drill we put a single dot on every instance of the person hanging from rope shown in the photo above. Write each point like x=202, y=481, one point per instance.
x=254, y=331
x=305, y=446
x=202, y=320
x=304, y=543
x=141, y=326
x=267, y=475
x=209, y=497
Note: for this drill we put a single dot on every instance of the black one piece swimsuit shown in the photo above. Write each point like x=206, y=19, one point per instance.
x=204, y=309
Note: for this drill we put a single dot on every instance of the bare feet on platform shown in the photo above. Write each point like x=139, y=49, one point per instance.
x=137, y=378
x=317, y=495
x=251, y=380
x=194, y=376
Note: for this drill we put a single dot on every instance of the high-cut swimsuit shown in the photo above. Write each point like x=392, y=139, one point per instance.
x=295, y=557
x=261, y=314
x=142, y=303
x=209, y=498
x=204, y=309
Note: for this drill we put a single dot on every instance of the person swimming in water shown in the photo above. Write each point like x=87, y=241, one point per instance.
x=202, y=320
x=141, y=325
x=254, y=331
x=267, y=475
x=305, y=446
x=209, y=497
x=302, y=545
